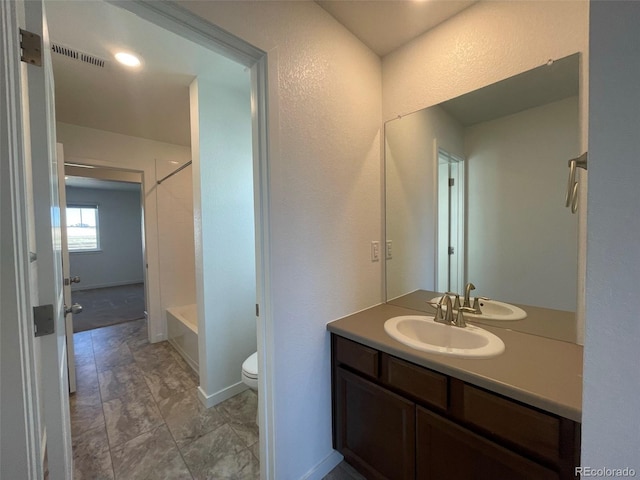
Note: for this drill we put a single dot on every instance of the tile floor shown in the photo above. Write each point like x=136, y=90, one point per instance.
x=136, y=415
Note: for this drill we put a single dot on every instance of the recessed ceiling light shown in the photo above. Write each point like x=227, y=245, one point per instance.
x=128, y=59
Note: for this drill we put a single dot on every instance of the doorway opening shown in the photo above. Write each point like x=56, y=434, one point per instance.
x=451, y=222
x=105, y=235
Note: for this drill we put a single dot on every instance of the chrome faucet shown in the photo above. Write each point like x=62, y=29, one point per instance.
x=476, y=304
x=447, y=317
x=456, y=299
x=460, y=321
x=467, y=294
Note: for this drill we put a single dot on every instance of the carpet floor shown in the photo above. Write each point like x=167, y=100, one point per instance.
x=107, y=306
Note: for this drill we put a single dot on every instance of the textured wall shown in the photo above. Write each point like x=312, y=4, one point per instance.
x=324, y=126
x=611, y=418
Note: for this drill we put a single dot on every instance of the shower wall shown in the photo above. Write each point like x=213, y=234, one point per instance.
x=175, y=235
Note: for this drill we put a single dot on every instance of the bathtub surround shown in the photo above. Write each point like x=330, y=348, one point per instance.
x=176, y=251
x=221, y=139
x=182, y=328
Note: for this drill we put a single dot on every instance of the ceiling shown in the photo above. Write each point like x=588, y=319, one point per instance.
x=153, y=102
x=386, y=25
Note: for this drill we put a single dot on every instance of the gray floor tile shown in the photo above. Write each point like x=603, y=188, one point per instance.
x=128, y=416
x=86, y=414
x=344, y=471
x=93, y=467
x=240, y=412
x=168, y=379
x=221, y=455
x=137, y=407
x=91, y=456
x=187, y=418
x=152, y=455
x=120, y=381
x=108, y=358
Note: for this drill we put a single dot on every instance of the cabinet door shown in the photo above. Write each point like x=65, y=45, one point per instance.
x=445, y=450
x=375, y=428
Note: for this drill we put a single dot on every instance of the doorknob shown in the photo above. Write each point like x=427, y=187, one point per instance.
x=70, y=280
x=75, y=309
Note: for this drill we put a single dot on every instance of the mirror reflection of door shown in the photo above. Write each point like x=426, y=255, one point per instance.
x=450, y=248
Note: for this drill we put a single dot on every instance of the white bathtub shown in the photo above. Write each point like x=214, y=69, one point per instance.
x=182, y=332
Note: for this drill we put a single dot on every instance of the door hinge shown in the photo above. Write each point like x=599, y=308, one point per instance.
x=43, y=321
x=452, y=182
x=30, y=48
x=451, y=251
x=257, y=310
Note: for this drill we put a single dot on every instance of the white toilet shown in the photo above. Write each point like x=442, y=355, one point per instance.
x=250, y=376
x=250, y=372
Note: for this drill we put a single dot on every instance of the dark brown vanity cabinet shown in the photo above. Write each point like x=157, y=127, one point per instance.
x=396, y=420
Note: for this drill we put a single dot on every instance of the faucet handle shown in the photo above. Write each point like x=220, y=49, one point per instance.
x=456, y=299
x=460, y=321
x=439, y=317
x=476, y=305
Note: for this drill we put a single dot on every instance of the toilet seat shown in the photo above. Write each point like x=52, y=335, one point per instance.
x=250, y=367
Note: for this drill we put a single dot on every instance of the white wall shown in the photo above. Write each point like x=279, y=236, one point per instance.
x=119, y=261
x=324, y=140
x=96, y=147
x=410, y=165
x=521, y=242
x=175, y=236
x=611, y=418
x=221, y=135
x=485, y=43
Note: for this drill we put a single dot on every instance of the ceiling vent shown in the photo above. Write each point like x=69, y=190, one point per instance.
x=78, y=55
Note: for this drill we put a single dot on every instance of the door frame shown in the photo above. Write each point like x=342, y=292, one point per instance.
x=92, y=166
x=180, y=21
x=22, y=444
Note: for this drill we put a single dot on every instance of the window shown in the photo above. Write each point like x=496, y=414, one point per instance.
x=82, y=228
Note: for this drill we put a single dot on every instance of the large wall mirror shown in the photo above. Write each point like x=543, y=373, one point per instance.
x=475, y=192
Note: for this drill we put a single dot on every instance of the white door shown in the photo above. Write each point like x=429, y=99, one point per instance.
x=33, y=122
x=66, y=270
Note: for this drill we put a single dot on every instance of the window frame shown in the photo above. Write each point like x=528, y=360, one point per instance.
x=93, y=206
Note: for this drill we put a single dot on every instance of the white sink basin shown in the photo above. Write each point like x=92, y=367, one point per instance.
x=423, y=333
x=492, y=310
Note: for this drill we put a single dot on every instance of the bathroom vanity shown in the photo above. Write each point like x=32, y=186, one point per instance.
x=399, y=413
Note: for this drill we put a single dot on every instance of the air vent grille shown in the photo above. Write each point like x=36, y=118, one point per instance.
x=77, y=55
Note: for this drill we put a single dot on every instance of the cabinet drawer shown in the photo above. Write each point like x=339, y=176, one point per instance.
x=527, y=427
x=363, y=359
x=418, y=382
x=446, y=450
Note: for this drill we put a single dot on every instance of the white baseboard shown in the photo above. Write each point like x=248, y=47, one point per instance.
x=211, y=400
x=321, y=469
